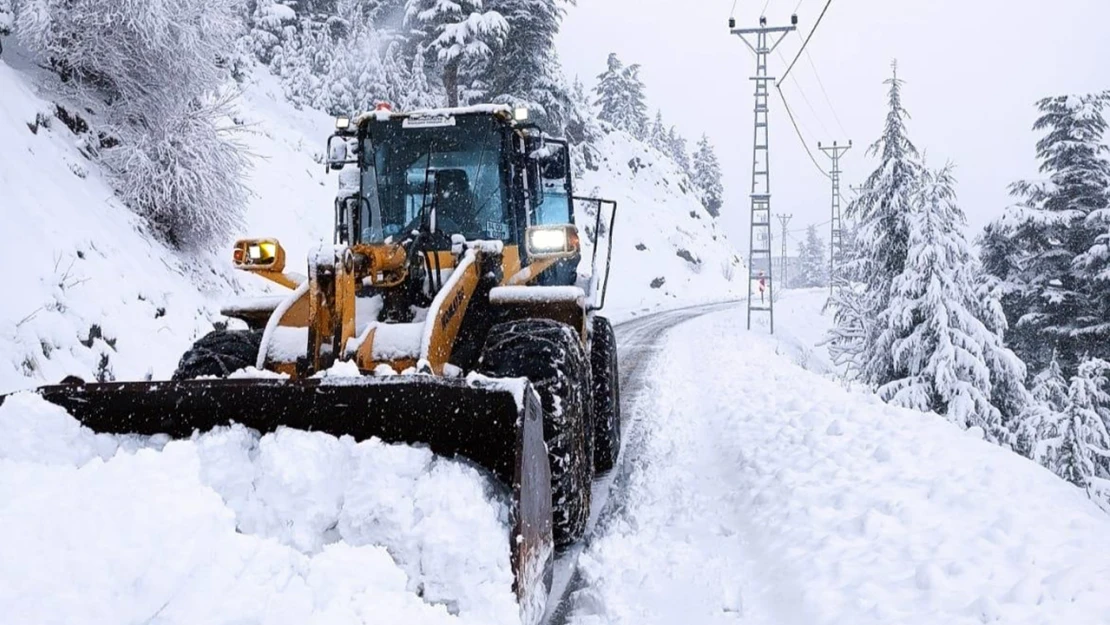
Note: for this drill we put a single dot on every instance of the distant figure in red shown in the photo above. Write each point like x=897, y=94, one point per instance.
x=762, y=286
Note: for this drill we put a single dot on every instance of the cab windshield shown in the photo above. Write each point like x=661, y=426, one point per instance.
x=449, y=163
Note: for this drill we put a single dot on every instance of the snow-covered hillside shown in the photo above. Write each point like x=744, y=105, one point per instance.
x=667, y=250
x=91, y=293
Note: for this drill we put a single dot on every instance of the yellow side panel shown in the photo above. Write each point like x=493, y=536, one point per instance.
x=449, y=317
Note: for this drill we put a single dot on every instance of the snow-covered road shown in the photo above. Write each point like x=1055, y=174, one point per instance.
x=760, y=492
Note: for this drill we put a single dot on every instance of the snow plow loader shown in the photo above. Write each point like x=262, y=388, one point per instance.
x=454, y=309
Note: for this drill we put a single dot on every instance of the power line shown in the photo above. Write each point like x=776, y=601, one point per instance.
x=821, y=84
x=732, y=13
x=809, y=105
x=799, y=5
x=806, y=42
x=794, y=123
x=765, y=5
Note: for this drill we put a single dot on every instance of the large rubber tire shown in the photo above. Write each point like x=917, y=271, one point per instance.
x=606, y=395
x=220, y=354
x=551, y=356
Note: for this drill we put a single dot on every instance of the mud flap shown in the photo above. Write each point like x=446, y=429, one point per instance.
x=498, y=426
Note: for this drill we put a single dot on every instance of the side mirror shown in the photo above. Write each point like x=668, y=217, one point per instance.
x=554, y=164
x=338, y=155
x=553, y=242
x=259, y=255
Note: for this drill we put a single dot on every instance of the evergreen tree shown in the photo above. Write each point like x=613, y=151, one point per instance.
x=882, y=213
x=1049, y=252
x=1084, y=456
x=813, y=262
x=525, y=71
x=620, y=98
x=457, y=31
x=1040, y=429
x=944, y=358
x=658, y=137
x=707, y=176
x=676, y=147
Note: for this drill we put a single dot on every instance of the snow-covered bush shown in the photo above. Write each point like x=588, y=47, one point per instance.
x=149, y=72
x=7, y=17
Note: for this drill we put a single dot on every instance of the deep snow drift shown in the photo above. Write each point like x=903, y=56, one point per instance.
x=292, y=527
x=760, y=492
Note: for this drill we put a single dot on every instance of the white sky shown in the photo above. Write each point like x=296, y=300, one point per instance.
x=973, y=68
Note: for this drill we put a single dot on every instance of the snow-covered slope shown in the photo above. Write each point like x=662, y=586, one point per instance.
x=764, y=493
x=89, y=293
x=667, y=250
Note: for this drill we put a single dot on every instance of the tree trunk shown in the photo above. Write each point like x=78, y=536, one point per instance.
x=451, y=83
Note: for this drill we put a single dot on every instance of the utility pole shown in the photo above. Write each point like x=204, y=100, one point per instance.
x=762, y=41
x=836, y=237
x=785, y=221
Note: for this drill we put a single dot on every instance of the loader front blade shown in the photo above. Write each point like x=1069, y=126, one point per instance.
x=487, y=423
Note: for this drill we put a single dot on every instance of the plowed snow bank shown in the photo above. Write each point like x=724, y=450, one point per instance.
x=292, y=527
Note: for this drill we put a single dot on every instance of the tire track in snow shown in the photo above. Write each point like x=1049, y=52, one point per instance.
x=638, y=341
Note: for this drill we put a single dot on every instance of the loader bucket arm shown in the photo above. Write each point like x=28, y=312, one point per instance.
x=487, y=423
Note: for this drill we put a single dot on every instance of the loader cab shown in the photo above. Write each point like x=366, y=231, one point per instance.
x=477, y=173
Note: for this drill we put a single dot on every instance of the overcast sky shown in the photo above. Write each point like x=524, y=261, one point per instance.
x=973, y=71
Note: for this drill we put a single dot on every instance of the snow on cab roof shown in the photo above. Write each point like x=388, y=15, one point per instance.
x=476, y=109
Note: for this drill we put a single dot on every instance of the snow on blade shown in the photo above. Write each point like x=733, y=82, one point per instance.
x=292, y=527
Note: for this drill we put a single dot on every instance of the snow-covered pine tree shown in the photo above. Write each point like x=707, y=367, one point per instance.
x=658, y=137
x=678, y=150
x=813, y=262
x=149, y=86
x=708, y=178
x=457, y=32
x=620, y=97
x=944, y=359
x=1084, y=455
x=1049, y=251
x=1040, y=429
x=525, y=71
x=881, y=211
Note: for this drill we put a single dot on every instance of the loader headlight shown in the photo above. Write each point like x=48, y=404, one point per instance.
x=259, y=255
x=553, y=241
x=520, y=114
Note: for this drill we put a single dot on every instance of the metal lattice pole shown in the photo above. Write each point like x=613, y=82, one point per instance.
x=785, y=221
x=836, y=236
x=759, y=248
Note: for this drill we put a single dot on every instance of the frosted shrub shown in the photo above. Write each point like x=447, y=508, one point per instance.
x=149, y=70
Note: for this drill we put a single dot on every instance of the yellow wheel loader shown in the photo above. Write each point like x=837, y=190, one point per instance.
x=450, y=311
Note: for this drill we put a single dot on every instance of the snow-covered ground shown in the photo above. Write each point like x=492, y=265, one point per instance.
x=667, y=251
x=762, y=492
x=292, y=527
x=90, y=292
